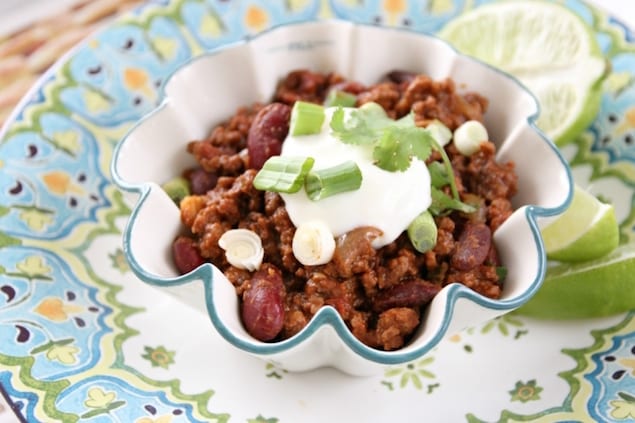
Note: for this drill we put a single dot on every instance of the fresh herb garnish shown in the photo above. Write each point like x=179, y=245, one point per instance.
x=398, y=145
x=363, y=126
x=501, y=272
x=395, y=143
x=443, y=203
x=438, y=174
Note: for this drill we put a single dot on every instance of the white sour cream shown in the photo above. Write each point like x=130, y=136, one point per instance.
x=388, y=201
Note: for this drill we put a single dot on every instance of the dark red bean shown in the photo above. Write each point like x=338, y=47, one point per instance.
x=267, y=132
x=201, y=181
x=492, y=256
x=473, y=246
x=263, y=304
x=409, y=293
x=399, y=76
x=186, y=255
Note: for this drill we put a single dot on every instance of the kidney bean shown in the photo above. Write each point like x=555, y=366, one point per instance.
x=201, y=181
x=399, y=76
x=186, y=255
x=354, y=252
x=263, y=303
x=410, y=293
x=472, y=247
x=267, y=132
x=492, y=258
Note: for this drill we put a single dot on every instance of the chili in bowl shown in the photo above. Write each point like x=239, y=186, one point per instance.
x=347, y=204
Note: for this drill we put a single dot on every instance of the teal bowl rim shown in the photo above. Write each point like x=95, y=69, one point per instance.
x=328, y=315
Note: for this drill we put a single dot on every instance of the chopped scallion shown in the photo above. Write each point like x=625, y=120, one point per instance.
x=469, y=136
x=422, y=232
x=306, y=118
x=441, y=133
x=340, y=98
x=327, y=182
x=283, y=174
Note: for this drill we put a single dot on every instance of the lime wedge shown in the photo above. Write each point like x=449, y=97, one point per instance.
x=587, y=230
x=595, y=288
x=548, y=48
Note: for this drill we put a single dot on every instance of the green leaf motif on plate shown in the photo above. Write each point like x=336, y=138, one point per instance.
x=159, y=356
x=412, y=373
x=34, y=267
x=274, y=371
x=505, y=325
x=95, y=101
x=8, y=241
x=623, y=408
x=526, y=391
x=211, y=26
x=101, y=402
x=36, y=218
x=67, y=141
x=118, y=261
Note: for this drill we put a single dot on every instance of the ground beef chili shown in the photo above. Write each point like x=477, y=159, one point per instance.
x=380, y=293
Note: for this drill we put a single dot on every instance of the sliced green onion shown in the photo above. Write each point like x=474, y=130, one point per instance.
x=441, y=133
x=469, y=136
x=283, y=174
x=340, y=98
x=177, y=189
x=333, y=180
x=306, y=118
x=313, y=243
x=422, y=232
x=243, y=248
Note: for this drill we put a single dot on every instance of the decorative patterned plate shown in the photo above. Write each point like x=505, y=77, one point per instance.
x=82, y=340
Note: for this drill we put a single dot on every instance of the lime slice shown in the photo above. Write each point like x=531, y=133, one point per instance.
x=587, y=230
x=595, y=288
x=548, y=48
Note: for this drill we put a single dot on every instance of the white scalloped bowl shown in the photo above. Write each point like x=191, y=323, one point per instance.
x=208, y=89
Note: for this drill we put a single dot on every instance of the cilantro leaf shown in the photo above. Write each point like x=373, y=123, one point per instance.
x=442, y=203
x=398, y=145
x=438, y=174
x=406, y=121
x=501, y=272
x=364, y=125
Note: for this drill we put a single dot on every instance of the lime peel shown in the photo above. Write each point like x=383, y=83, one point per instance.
x=595, y=288
x=587, y=230
x=549, y=48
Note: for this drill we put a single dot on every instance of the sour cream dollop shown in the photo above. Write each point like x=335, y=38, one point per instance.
x=388, y=201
